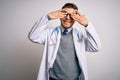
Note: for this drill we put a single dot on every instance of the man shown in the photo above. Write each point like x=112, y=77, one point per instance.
x=65, y=45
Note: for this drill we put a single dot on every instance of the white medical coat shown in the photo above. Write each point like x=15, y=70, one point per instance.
x=85, y=39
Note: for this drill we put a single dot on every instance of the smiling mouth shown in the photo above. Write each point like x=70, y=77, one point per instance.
x=67, y=21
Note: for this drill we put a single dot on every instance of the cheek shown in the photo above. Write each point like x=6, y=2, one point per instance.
x=67, y=22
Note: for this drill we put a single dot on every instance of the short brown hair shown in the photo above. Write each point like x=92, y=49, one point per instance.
x=70, y=5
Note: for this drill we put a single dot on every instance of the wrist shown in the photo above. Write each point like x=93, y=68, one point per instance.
x=49, y=18
x=85, y=25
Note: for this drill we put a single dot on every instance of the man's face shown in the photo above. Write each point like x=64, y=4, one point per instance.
x=67, y=21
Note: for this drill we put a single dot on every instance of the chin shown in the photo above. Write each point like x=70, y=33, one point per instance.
x=67, y=26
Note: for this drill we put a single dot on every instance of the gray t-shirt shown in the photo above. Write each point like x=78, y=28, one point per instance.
x=66, y=66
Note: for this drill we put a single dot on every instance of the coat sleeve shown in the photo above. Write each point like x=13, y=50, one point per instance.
x=92, y=41
x=38, y=32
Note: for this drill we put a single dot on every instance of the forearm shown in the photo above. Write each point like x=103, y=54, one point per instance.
x=92, y=38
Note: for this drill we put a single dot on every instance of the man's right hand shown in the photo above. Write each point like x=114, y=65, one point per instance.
x=57, y=14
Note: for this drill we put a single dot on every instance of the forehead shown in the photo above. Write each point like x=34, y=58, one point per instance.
x=69, y=10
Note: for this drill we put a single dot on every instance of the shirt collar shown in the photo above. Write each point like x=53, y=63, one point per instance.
x=69, y=29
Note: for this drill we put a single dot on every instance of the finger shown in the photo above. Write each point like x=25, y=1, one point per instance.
x=79, y=13
x=63, y=11
x=60, y=10
x=83, y=15
x=62, y=16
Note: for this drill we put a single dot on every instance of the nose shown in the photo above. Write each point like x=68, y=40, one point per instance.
x=68, y=16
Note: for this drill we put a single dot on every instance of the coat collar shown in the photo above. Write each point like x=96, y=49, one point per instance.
x=76, y=32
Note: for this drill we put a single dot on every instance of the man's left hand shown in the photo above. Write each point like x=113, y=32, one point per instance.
x=80, y=19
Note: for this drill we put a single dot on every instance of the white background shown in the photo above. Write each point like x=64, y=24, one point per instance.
x=20, y=58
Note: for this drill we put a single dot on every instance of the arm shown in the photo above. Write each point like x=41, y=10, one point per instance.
x=92, y=41
x=38, y=31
